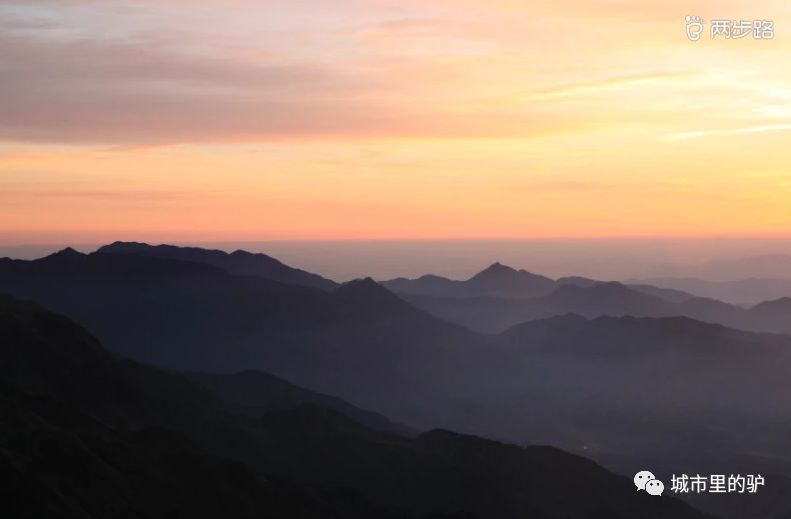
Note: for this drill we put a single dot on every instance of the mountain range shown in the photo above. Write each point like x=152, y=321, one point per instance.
x=487, y=309
x=497, y=280
x=670, y=392
x=239, y=262
x=500, y=280
x=742, y=292
x=90, y=434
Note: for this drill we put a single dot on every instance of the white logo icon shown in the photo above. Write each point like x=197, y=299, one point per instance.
x=694, y=27
x=645, y=480
x=655, y=487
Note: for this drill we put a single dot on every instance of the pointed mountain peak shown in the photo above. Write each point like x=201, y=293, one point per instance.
x=362, y=286
x=369, y=295
x=67, y=254
x=495, y=270
x=502, y=280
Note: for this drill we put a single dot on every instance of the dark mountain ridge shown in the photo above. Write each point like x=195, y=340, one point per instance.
x=659, y=392
x=497, y=279
x=359, y=340
x=65, y=456
x=239, y=262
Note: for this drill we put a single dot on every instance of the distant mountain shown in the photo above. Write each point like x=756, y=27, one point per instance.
x=688, y=392
x=668, y=294
x=602, y=299
x=491, y=315
x=371, y=298
x=239, y=262
x=499, y=280
x=496, y=280
x=595, y=299
x=579, y=281
x=744, y=292
x=673, y=296
x=502, y=280
x=68, y=454
x=779, y=308
x=771, y=314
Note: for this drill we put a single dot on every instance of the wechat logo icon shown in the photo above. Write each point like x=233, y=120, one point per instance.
x=645, y=480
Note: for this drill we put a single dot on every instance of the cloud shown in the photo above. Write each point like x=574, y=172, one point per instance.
x=102, y=195
x=140, y=72
x=761, y=128
x=585, y=87
x=96, y=91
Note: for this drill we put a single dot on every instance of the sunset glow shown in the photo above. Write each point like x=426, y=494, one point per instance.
x=307, y=119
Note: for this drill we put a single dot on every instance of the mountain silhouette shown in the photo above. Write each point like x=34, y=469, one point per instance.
x=496, y=314
x=743, y=292
x=665, y=392
x=239, y=262
x=359, y=340
x=500, y=280
x=367, y=294
x=90, y=434
x=592, y=299
x=668, y=294
x=100, y=451
x=780, y=308
x=504, y=280
x=495, y=280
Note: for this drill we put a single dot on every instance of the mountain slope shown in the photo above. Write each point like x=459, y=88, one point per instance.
x=75, y=459
x=57, y=462
x=359, y=342
x=259, y=389
x=82, y=436
x=239, y=262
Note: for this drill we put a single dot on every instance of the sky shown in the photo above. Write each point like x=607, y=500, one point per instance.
x=233, y=120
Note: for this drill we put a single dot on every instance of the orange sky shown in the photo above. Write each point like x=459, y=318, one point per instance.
x=187, y=120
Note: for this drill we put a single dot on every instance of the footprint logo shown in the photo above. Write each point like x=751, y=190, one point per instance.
x=694, y=27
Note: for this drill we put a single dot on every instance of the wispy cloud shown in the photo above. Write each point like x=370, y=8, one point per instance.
x=761, y=128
